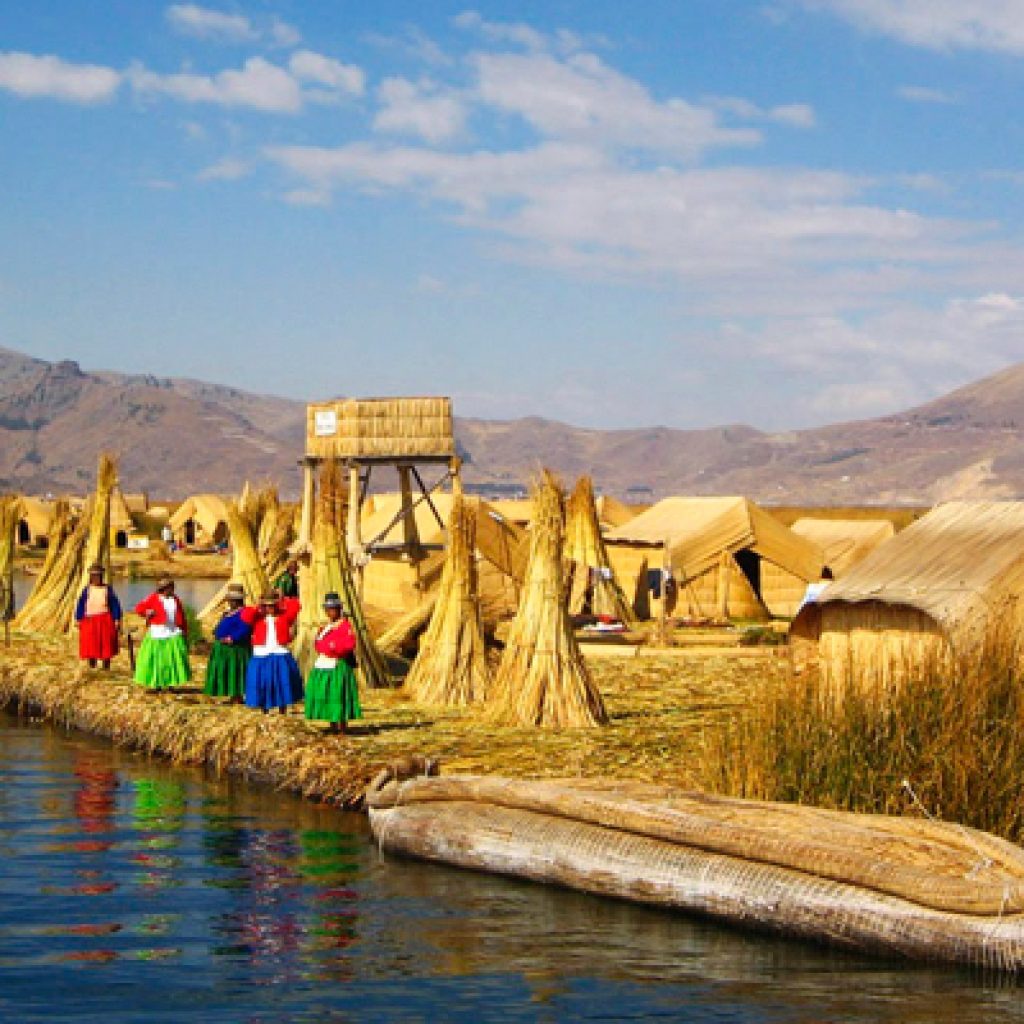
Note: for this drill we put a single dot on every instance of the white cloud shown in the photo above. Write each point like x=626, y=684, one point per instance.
x=203, y=23
x=258, y=85
x=411, y=108
x=412, y=42
x=924, y=94
x=32, y=76
x=582, y=99
x=228, y=169
x=501, y=32
x=326, y=71
x=796, y=115
x=987, y=25
x=283, y=34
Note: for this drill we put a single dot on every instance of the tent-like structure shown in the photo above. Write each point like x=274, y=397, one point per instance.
x=844, y=543
x=396, y=582
x=612, y=513
x=121, y=524
x=200, y=521
x=716, y=550
x=34, y=520
x=929, y=593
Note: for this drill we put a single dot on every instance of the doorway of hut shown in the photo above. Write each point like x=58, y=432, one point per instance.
x=190, y=531
x=750, y=565
x=120, y=539
x=24, y=534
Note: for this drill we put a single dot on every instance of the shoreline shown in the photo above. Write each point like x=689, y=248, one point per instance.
x=659, y=707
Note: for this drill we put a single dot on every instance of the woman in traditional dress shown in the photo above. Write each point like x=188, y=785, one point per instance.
x=98, y=616
x=163, y=656
x=331, y=691
x=232, y=649
x=272, y=678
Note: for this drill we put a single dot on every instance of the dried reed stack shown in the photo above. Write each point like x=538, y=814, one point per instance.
x=329, y=569
x=589, y=565
x=247, y=568
x=451, y=667
x=542, y=679
x=51, y=605
x=10, y=509
x=404, y=633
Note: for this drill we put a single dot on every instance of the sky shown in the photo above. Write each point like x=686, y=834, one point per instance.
x=680, y=212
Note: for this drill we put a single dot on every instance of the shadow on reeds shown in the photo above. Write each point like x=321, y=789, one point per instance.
x=946, y=740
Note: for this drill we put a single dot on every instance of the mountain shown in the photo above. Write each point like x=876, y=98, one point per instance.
x=179, y=436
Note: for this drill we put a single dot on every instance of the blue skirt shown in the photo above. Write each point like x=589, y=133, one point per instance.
x=273, y=681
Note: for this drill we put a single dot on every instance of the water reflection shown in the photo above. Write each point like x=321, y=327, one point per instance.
x=131, y=891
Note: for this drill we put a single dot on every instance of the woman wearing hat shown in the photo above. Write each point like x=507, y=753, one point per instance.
x=98, y=617
x=332, y=694
x=163, y=656
x=232, y=649
x=272, y=677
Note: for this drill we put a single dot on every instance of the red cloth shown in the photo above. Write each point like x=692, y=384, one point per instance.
x=284, y=618
x=97, y=637
x=337, y=642
x=152, y=610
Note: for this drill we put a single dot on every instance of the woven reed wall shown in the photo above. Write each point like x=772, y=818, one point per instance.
x=380, y=428
x=783, y=591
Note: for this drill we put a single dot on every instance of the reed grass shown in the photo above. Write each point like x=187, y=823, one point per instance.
x=947, y=739
x=451, y=668
x=10, y=509
x=543, y=679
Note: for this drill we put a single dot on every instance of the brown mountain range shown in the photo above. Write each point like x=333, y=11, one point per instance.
x=177, y=436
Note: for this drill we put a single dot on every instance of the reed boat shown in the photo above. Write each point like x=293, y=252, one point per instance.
x=908, y=887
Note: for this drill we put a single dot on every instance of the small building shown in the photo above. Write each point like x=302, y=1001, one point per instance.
x=715, y=552
x=844, y=543
x=929, y=593
x=200, y=521
x=34, y=522
x=122, y=525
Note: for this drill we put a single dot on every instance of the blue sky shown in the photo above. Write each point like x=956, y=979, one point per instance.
x=688, y=212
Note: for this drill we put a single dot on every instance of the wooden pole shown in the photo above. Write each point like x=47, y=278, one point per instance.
x=353, y=526
x=308, y=498
x=724, y=576
x=410, y=532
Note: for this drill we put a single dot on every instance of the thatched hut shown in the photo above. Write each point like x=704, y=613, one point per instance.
x=121, y=524
x=34, y=520
x=200, y=521
x=844, y=543
x=396, y=579
x=716, y=550
x=930, y=593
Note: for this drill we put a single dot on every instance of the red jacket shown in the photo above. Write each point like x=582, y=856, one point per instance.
x=338, y=642
x=284, y=618
x=152, y=610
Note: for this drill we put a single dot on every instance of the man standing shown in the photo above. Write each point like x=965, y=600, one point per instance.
x=287, y=584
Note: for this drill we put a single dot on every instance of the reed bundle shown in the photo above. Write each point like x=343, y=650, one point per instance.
x=451, y=667
x=329, y=570
x=590, y=570
x=51, y=605
x=10, y=509
x=543, y=679
x=403, y=635
x=247, y=569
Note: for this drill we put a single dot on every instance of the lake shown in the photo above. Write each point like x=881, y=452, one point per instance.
x=134, y=891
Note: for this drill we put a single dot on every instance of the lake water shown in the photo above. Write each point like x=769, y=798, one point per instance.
x=134, y=892
x=194, y=592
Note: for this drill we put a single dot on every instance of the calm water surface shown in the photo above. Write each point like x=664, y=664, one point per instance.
x=131, y=891
x=194, y=592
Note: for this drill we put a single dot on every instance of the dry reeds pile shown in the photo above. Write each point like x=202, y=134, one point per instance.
x=451, y=667
x=543, y=680
x=404, y=633
x=329, y=570
x=10, y=510
x=953, y=732
x=51, y=605
x=590, y=569
x=247, y=568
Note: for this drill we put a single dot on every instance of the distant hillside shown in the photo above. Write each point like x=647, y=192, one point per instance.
x=177, y=436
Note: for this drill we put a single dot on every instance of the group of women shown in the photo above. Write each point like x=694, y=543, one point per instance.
x=250, y=660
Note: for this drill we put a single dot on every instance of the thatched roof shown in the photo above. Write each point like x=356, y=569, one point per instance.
x=845, y=542
x=207, y=510
x=36, y=514
x=954, y=564
x=698, y=530
x=120, y=516
x=612, y=512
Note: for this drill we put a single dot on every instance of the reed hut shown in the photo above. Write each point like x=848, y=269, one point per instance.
x=400, y=578
x=543, y=679
x=200, y=521
x=715, y=551
x=122, y=526
x=844, y=543
x=34, y=521
x=612, y=513
x=929, y=594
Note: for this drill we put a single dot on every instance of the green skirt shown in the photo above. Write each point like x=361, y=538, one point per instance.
x=332, y=694
x=163, y=663
x=225, y=671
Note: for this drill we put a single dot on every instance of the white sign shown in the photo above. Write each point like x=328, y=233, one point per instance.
x=138, y=543
x=325, y=423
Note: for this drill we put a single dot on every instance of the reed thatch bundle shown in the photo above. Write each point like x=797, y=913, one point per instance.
x=542, y=679
x=247, y=568
x=51, y=605
x=451, y=667
x=328, y=570
x=404, y=633
x=10, y=510
x=590, y=569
